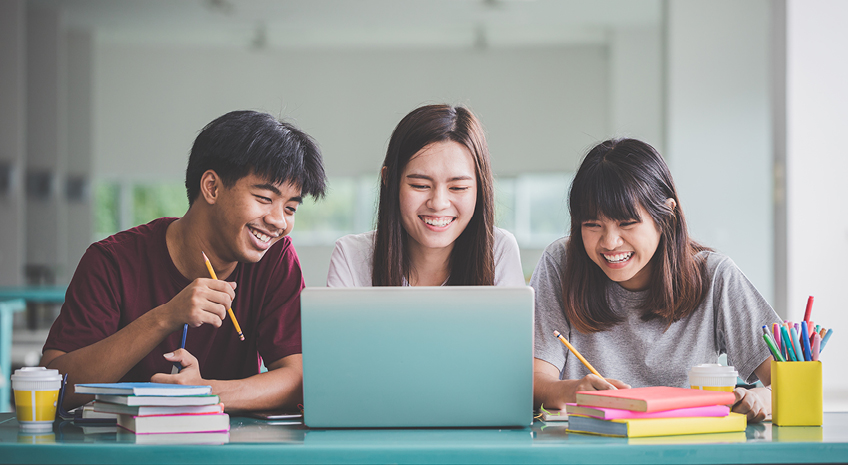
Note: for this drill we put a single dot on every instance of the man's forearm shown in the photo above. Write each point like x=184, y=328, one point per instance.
x=107, y=360
x=280, y=387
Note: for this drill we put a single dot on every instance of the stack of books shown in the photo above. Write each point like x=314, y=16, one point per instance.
x=189, y=412
x=654, y=411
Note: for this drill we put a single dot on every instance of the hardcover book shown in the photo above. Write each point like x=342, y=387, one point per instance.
x=142, y=389
x=657, y=426
x=148, y=410
x=616, y=414
x=654, y=398
x=200, y=423
x=158, y=400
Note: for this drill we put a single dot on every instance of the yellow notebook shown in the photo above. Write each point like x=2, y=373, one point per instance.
x=657, y=426
x=707, y=438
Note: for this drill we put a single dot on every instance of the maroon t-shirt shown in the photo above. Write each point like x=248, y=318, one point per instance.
x=124, y=276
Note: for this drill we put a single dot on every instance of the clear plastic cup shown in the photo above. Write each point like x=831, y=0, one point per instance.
x=36, y=396
x=712, y=377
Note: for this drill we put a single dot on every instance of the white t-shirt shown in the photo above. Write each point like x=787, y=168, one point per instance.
x=353, y=259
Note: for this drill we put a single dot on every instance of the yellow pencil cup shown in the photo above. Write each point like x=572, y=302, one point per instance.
x=796, y=393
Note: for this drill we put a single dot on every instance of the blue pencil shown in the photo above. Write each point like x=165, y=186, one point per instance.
x=185, y=332
x=805, y=342
x=177, y=366
x=825, y=339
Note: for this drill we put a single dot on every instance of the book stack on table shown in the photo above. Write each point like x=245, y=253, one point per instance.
x=654, y=411
x=154, y=408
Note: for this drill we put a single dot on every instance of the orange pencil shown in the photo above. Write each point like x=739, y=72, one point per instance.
x=229, y=310
x=577, y=354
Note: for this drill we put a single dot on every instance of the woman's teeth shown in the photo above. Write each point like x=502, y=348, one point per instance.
x=618, y=258
x=438, y=222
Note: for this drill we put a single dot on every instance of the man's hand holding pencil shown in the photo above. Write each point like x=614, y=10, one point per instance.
x=204, y=301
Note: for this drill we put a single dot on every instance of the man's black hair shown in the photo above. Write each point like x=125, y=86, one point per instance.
x=241, y=143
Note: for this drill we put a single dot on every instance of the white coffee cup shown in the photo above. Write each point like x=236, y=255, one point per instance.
x=712, y=377
x=36, y=397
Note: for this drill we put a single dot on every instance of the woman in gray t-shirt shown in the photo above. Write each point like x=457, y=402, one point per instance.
x=635, y=295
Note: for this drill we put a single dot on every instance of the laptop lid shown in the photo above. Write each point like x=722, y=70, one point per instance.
x=452, y=356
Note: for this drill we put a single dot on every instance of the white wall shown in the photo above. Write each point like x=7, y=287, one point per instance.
x=637, y=85
x=719, y=139
x=541, y=107
x=817, y=109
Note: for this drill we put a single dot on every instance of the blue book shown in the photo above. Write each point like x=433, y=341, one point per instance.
x=142, y=389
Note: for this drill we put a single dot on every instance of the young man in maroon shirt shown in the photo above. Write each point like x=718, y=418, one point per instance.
x=132, y=292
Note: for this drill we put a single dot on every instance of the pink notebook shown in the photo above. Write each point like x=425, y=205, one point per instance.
x=654, y=398
x=619, y=414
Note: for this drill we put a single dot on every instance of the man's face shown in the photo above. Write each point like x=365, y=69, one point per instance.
x=252, y=215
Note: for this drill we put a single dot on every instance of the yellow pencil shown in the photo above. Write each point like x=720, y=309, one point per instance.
x=229, y=309
x=577, y=354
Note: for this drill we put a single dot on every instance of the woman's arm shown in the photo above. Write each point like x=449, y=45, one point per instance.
x=756, y=403
x=554, y=393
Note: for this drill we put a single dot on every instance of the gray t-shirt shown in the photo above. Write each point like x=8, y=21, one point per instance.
x=641, y=353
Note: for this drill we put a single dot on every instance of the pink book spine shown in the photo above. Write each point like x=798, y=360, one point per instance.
x=707, y=411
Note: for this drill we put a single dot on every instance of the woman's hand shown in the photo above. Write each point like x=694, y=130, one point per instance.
x=554, y=393
x=592, y=382
x=755, y=403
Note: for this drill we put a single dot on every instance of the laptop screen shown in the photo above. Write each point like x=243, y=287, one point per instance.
x=458, y=356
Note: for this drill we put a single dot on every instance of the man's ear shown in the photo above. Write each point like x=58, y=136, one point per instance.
x=210, y=186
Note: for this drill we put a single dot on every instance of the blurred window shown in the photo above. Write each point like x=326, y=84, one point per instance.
x=531, y=206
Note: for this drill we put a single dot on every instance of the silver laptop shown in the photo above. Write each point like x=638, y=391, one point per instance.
x=452, y=356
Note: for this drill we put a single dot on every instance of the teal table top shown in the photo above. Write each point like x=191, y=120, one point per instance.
x=47, y=294
x=259, y=442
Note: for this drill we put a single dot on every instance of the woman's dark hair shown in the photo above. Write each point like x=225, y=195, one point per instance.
x=614, y=180
x=249, y=142
x=472, y=261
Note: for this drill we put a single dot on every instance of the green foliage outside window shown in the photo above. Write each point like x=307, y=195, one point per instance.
x=106, y=209
x=151, y=201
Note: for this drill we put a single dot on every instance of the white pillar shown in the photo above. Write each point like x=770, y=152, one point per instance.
x=12, y=139
x=78, y=194
x=46, y=231
x=816, y=163
x=719, y=131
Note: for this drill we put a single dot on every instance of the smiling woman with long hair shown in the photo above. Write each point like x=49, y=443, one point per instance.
x=640, y=299
x=435, y=221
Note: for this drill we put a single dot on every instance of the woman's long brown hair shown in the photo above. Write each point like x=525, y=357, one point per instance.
x=472, y=258
x=615, y=178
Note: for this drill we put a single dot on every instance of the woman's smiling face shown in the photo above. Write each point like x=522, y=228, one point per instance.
x=438, y=195
x=623, y=249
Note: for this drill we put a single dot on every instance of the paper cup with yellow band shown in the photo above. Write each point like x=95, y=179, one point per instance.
x=36, y=395
x=712, y=377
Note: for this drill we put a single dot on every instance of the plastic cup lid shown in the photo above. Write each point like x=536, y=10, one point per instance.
x=36, y=374
x=712, y=369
